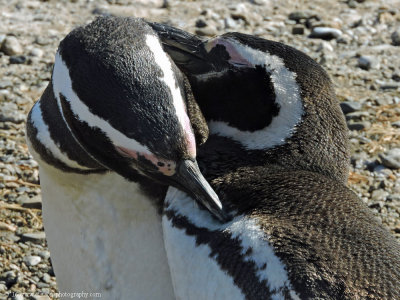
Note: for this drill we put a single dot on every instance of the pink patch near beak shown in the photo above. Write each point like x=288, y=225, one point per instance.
x=236, y=57
x=190, y=139
x=164, y=166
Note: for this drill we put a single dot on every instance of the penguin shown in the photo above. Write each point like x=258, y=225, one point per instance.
x=111, y=132
x=278, y=157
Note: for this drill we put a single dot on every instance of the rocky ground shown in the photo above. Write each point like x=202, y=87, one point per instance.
x=357, y=42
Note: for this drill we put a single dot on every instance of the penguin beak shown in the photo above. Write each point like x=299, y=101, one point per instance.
x=188, y=177
x=186, y=50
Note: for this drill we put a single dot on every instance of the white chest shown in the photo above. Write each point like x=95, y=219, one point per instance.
x=210, y=260
x=104, y=236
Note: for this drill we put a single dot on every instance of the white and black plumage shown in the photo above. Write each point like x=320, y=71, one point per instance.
x=110, y=132
x=278, y=156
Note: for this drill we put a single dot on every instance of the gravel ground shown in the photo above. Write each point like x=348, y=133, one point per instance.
x=358, y=44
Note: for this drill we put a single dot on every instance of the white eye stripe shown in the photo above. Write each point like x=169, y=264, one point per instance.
x=287, y=93
x=165, y=65
x=62, y=84
x=44, y=137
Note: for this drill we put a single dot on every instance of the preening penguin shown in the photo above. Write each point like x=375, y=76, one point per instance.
x=110, y=133
x=278, y=156
x=271, y=98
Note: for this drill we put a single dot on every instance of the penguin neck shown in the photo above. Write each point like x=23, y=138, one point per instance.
x=50, y=137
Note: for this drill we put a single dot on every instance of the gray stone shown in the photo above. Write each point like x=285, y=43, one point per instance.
x=325, y=33
x=367, y=62
x=201, y=23
x=18, y=59
x=260, y=2
x=389, y=85
x=32, y=260
x=46, y=278
x=352, y=4
x=35, y=237
x=396, y=38
x=379, y=195
x=350, y=106
x=41, y=285
x=33, y=202
x=36, y=52
x=240, y=11
x=230, y=23
x=359, y=125
x=391, y=159
x=302, y=15
x=42, y=40
x=4, y=95
x=207, y=31
x=5, y=84
x=9, y=113
x=396, y=77
x=396, y=124
x=298, y=29
x=44, y=254
x=11, y=46
x=3, y=288
x=357, y=115
x=9, y=277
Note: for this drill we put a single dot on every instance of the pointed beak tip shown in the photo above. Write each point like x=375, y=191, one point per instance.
x=191, y=179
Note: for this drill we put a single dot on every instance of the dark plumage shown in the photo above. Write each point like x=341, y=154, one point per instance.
x=329, y=241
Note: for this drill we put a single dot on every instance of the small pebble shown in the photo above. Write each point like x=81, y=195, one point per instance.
x=357, y=115
x=5, y=84
x=302, y=15
x=230, y=23
x=240, y=11
x=396, y=124
x=9, y=277
x=350, y=106
x=33, y=202
x=352, y=4
x=11, y=46
x=391, y=159
x=9, y=113
x=42, y=40
x=17, y=59
x=46, y=278
x=206, y=31
x=325, y=33
x=44, y=254
x=36, y=52
x=3, y=288
x=298, y=29
x=201, y=23
x=359, y=125
x=32, y=260
x=36, y=237
x=379, y=195
x=396, y=38
x=367, y=62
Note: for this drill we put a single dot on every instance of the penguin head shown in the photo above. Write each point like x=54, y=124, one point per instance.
x=124, y=101
x=270, y=98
